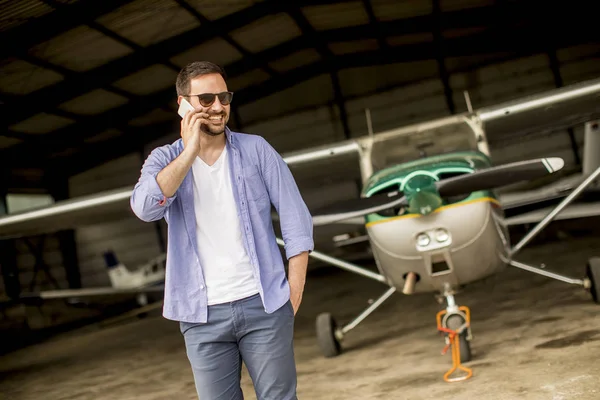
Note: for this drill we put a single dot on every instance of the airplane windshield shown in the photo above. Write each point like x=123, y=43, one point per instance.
x=458, y=162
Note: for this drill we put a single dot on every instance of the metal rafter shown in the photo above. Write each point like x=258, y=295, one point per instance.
x=375, y=24
x=439, y=55
x=311, y=35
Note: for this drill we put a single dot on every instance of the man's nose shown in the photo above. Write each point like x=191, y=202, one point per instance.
x=216, y=106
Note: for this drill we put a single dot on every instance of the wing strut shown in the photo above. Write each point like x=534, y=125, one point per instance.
x=552, y=214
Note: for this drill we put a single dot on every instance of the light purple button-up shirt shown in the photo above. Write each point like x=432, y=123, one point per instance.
x=260, y=178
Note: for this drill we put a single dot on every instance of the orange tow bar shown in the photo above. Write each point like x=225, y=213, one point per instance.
x=455, y=343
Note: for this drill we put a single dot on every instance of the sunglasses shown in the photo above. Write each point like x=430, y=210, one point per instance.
x=207, y=99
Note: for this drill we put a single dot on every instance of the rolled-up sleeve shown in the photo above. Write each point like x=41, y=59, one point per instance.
x=294, y=216
x=147, y=200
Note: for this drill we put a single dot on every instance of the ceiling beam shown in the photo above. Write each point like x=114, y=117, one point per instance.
x=440, y=55
x=318, y=43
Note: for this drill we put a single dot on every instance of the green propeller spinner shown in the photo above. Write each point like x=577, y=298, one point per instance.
x=422, y=195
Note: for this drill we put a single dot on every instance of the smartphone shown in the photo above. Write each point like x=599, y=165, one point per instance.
x=184, y=107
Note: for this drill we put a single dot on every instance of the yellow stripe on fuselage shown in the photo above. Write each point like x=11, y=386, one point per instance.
x=483, y=199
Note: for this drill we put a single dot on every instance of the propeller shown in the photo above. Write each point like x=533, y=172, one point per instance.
x=358, y=207
x=424, y=195
x=501, y=175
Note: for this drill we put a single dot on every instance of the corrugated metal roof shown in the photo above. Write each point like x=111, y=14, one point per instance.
x=214, y=10
x=155, y=116
x=80, y=49
x=266, y=32
x=410, y=39
x=146, y=22
x=41, y=123
x=457, y=5
x=93, y=102
x=253, y=77
x=6, y=142
x=332, y=16
x=216, y=50
x=367, y=79
x=105, y=135
x=20, y=77
x=17, y=12
x=355, y=46
x=387, y=10
x=148, y=80
x=295, y=60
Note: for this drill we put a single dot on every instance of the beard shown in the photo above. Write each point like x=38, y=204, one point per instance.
x=215, y=129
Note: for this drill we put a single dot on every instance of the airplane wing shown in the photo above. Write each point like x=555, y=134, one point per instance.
x=89, y=292
x=553, y=191
x=67, y=214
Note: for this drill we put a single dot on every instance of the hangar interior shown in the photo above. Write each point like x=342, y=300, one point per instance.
x=87, y=90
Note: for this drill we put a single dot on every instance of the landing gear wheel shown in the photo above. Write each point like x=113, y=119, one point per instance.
x=454, y=322
x=593, y=273
x=328, y=342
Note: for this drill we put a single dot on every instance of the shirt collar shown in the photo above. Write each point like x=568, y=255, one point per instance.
x=229, y=135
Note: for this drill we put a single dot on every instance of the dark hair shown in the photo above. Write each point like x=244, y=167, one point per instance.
x=194, y=69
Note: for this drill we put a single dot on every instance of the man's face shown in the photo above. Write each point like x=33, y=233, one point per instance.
x=218, y=114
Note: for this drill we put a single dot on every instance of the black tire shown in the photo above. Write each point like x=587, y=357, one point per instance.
x=326, y=326
x=454, y=322
x=593, y=273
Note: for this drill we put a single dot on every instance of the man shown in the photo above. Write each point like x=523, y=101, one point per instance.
x=225, y=278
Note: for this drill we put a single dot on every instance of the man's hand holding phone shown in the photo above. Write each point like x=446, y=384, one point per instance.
x=191, y=125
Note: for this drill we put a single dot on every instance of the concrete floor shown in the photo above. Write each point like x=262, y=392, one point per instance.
x=534, y=338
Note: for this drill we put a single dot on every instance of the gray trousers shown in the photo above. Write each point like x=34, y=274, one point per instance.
x=243, y=331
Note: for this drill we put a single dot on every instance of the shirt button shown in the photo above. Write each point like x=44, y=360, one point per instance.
x=202, y=287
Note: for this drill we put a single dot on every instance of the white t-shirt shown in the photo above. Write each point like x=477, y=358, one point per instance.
x=225, y=263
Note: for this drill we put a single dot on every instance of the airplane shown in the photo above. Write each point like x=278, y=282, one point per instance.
x=414, y=211
x=143, y=281
x=436, y=225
